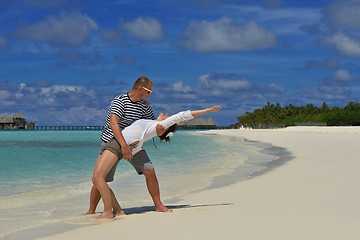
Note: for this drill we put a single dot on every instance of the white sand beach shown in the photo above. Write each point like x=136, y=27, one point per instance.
x=313, y=196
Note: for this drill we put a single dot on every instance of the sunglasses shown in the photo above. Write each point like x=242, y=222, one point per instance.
x=148, y=90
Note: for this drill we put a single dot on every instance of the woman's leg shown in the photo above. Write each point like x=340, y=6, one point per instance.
x=94, y=195
x=103, y=166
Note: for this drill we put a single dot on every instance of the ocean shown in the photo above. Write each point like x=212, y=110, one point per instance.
x=45, y=176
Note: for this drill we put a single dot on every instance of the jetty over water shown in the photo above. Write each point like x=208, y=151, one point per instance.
x=69, y=128
x=99, y=128
x=18, y=122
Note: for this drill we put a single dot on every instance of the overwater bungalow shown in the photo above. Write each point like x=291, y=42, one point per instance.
x=15, y=122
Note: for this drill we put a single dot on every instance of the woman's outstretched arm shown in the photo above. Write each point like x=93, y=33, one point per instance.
x=197, y=113
x=185, y=115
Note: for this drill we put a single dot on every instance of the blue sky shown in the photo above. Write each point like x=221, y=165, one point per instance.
x=62, y=61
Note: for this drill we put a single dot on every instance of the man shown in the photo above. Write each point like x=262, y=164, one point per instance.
x=124, y=110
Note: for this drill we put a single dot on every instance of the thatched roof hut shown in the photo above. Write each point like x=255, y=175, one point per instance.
x=15, y=121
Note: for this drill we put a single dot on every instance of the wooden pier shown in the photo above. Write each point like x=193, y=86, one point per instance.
x=100, y=128
x=68, y=128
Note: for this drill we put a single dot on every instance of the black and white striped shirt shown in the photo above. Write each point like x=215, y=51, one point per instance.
x=128, y=111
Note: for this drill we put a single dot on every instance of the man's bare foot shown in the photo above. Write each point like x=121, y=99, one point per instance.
x=119, y=214
x=162, y=208
x=105, y=215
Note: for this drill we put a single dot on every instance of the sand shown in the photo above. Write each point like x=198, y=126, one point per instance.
x=313, y=196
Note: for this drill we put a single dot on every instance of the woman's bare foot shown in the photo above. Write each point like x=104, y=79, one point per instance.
x=105, y=215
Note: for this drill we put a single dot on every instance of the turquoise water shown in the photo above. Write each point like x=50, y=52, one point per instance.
x=45, y=176
x=32, y=160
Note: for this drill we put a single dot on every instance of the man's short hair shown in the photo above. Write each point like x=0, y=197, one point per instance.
x=141, y=82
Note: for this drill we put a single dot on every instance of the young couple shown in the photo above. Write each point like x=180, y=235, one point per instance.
x=130, y=123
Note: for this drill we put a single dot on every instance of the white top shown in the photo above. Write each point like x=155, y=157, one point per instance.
x=143, y=130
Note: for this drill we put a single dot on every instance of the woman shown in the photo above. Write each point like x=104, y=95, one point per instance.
x=135, y=135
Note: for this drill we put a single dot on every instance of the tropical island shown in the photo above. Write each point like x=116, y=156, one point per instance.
x=275, y=116
x=269, y=116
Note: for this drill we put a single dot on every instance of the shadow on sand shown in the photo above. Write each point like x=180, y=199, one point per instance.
x=145, y=209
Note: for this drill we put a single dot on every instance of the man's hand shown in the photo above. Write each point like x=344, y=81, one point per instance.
x=126, y=151
x=160, y=129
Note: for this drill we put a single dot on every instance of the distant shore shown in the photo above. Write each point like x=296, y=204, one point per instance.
x=313, y=196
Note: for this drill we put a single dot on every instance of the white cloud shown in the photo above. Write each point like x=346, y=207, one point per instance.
x=144, y=28
x=276, y=87
x=225, y=35
x=175, y=92
x=70, y=29
x=345, y=45
x=69, y=101
x=333, y=92
x=181, y=87
x=233, y=84
x=54, y=95
x=56, y=89
x=342, y=75
x=48, y=101
x=79, y=115
x=208, y=81
x=234, y=87
x=344, y=13
x=22, y=85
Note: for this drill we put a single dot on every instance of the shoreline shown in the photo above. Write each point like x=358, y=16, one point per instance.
x=236, y=157
x=313, y=196
x=276, y=157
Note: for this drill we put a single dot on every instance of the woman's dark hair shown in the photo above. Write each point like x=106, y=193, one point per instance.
x=172, y=129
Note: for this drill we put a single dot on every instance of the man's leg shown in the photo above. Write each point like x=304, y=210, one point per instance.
x=95, y=198
x=154, y=190
x=117, y=210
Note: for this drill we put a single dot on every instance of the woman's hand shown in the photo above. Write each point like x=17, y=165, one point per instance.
x=214, y=109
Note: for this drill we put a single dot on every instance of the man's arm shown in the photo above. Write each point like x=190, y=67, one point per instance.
x=114, y=125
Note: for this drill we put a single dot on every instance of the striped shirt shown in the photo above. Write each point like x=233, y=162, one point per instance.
x=128, y=112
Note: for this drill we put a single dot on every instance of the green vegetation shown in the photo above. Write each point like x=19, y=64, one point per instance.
x=274, y=115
